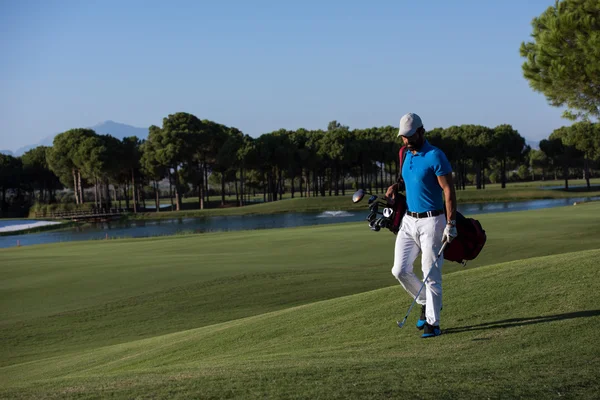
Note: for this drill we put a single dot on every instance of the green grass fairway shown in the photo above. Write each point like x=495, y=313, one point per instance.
x=302, y=313
x=515, y=330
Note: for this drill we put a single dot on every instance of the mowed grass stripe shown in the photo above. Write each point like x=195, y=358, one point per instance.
x=76, y=296
x=519, y=329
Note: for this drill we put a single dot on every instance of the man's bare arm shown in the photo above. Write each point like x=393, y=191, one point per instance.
x=447, y=185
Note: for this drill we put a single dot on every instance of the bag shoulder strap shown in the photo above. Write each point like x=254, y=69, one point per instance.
x=402, y=157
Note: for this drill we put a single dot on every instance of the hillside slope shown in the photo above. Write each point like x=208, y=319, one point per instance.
x=520, y=329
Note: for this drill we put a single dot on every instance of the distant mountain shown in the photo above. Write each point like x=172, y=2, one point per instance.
x=120, y=131
x=6, y=152
x=112, y=128
x=47, y=141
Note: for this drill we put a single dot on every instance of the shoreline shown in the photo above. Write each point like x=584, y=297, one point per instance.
x=39, y=226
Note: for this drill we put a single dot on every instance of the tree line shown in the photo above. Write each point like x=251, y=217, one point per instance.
x=202, y=158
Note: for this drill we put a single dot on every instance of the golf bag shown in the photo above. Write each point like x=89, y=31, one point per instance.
x=399, y=205
x=469, y=242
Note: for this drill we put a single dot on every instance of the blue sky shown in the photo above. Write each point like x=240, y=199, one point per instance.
x=265, y=65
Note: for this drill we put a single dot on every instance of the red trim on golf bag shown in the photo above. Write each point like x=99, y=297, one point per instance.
x=399, y=205
x=469, y=242
x=400, y=208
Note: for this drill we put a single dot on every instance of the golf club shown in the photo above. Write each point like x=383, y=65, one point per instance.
x=360, y=194
x=401, y=324
x=377, y=219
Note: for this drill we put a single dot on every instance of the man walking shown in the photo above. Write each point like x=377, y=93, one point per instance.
x=429, y=222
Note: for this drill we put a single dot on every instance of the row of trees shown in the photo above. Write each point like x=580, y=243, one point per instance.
x=188, y=154
x=575, y=146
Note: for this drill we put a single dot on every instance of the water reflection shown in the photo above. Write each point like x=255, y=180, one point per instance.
x=141, y=228
x=486, y=208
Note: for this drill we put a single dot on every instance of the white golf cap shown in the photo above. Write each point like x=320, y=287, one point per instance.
x=409, y=123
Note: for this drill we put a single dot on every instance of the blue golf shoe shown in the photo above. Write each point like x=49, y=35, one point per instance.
x=431, y=331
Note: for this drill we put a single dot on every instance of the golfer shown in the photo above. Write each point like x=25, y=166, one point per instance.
x=429, y=221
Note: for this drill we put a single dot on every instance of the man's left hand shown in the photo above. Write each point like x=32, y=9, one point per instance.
x=449, y=233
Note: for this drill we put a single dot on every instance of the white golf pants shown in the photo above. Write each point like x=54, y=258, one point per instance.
x=421, y=235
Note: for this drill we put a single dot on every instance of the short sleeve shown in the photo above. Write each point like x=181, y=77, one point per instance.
x=441, y=165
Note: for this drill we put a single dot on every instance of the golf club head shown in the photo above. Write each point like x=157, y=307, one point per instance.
x=358, y=196
x=374, y=208
x=372, y=199
x=372, y=216
x=374, y=225
x=401, y=324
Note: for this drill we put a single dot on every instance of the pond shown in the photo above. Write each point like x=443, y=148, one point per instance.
x=147, y=228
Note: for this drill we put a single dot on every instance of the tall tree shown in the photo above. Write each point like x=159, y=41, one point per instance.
x=64, y=159
x=317, y=166
x=38, y=175
x=538, y=162
x=302, y=159
x=585, y=137
x=370, y=143
x=10, y=179
x=174, y=145
x=151, y=166
x=507, y=144
x=90, y=158
x=269, y=162
x=244, y=156
x=207, y=142
x=478, y=140
x=131, y=165
x=456, y=149
x=226, y=160
x=562, y=155
x=391, y=147
x=332, y=149
x=563, y=61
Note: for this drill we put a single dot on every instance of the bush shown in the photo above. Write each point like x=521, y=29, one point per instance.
x=471, y=178
x=45, y=210
x=523, y=173
x=494, y=177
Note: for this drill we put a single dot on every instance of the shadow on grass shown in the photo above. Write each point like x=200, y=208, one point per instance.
x=514, y=322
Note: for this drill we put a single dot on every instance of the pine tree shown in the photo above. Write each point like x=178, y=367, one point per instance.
x=563, y=60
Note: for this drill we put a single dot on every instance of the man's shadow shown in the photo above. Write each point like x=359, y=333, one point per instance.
x=514, y=322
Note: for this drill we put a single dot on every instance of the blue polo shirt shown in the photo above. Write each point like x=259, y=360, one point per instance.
x=420, y=172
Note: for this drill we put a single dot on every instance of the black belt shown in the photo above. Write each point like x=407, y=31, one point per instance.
x=425, y=214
